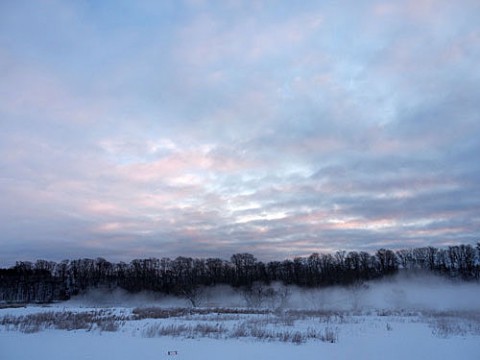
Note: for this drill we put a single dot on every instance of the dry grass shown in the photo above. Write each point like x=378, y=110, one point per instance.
x=453, y=323
x=252, y=328
x=101, y=320
x=165, y=313
x=188, y=331
x=292, y=326
x=11, y=306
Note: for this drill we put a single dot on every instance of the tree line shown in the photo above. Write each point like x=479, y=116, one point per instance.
x=47, y=281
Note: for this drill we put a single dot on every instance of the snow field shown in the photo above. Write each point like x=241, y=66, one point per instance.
x=57, y=332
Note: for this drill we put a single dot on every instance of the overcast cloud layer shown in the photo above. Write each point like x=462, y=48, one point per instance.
x=164, y=128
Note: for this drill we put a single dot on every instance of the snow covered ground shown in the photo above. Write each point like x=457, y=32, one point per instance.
x=424, y=320
x=213, y=335
x=411, y=342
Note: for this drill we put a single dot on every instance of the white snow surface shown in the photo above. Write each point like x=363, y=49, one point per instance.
x=407, y=342
x=422, y=321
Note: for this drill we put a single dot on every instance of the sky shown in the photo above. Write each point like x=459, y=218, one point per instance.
x=134, y=129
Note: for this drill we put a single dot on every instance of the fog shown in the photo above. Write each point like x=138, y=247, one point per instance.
x=413, y=293
x=398, y=292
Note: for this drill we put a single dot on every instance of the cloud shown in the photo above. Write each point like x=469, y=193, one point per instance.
x=195, y=128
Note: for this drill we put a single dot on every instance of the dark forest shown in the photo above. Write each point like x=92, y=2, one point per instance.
x=46, y=281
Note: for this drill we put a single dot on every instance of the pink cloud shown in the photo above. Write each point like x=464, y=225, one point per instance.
x=105, y=208
x=184, y=167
